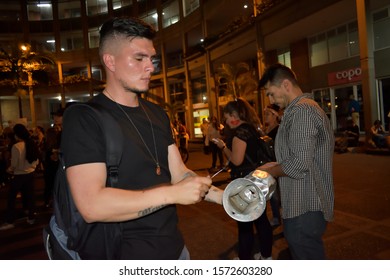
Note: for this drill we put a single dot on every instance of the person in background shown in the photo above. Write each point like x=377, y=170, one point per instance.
x=241, y=150
x=24, y=160
x=352, y=133
x=8, y=140
x=378, y=135
x=40, y=138
x=354, y=109
x=214, y=132
x=51, y=162
x=183, y=134
x=58, y=116
x=272, y=116
x=204, y=126
x=304, y=147
x=152, y=176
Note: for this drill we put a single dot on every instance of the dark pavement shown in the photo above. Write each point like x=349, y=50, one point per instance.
x=360, y=230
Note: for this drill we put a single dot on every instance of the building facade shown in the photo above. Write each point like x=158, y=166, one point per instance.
x=209, y=51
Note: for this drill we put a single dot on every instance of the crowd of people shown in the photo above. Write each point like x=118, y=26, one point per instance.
x=25, y=153
x=149, y=188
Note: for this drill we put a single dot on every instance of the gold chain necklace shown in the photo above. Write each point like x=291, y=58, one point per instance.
x=155, y=158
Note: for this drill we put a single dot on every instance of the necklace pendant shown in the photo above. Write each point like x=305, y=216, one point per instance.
x=158, y=170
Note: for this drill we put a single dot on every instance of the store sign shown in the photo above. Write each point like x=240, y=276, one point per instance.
x=345, y=76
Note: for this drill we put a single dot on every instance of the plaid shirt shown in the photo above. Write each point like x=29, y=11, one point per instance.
x=304, y=148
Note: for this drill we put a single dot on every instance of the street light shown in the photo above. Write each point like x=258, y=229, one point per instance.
x=23, y=60
x=28, y=67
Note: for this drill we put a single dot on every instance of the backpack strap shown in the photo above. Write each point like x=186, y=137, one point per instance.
x=76, y=233
x=114, y=140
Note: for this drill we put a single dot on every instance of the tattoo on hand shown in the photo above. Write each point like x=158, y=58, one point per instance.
x=150, y=210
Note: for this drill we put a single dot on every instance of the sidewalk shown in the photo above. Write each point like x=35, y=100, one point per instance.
x=360, y=231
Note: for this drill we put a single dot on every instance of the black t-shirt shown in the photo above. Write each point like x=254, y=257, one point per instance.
x=248, y=134
x=155, y=236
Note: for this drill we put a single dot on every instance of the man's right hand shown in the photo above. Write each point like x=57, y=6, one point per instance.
x=191, y=190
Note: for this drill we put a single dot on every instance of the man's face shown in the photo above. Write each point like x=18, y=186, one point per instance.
x=134, y=64
x=277, y=94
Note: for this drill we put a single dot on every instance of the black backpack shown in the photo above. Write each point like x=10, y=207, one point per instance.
x=265, y=150
x=265, y=153
x=68, y=236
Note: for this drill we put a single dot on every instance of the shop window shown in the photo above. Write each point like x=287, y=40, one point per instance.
x=322, y=97
x=72, y=41
x=318, y=51
x=189, y=6
x=170, y=13
x=353, y=39
x=284, y=58
x=381, y=29
x=338, y=49
x=384, y=89
x=335, y=44
x=342, y=99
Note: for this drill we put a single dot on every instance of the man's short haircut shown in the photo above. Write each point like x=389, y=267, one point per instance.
x=124, y=27
x=276, y=73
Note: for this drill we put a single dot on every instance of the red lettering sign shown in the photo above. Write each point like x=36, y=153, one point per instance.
x=345, y=76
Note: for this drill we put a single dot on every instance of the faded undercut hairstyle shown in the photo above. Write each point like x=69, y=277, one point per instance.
x=275, y=74
x=124, y=27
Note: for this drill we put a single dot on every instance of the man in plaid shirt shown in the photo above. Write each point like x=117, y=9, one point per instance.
x=304, y=148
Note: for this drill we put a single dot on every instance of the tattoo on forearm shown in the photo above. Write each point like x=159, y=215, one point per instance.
x=189, y=174
x=150, y=210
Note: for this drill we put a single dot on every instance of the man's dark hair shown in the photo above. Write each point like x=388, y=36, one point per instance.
x=276, y=73
x=125, y=27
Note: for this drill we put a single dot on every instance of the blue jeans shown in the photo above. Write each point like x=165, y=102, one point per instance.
x=304, y=236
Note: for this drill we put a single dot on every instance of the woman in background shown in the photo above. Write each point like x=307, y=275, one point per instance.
x=214, y=132
x=24, y=160
x=241, y=150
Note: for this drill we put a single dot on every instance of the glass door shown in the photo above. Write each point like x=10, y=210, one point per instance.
x=343, y=97
x=325, y=99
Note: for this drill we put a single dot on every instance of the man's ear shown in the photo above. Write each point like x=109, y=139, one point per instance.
x=109, y=61
x=287, y=85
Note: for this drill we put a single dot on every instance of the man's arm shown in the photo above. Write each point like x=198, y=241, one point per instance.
x=179, y=171
x=273, y=168
x=98, y=203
